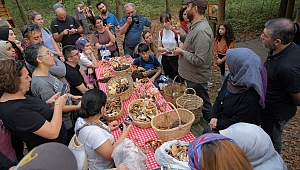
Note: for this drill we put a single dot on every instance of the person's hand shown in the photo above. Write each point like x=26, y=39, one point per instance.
x=110, y=26
x=106, y=28
x=62, y=59
x=129, y=20
x=51, y=101
x=75, y=98
x=178, y=51
x=141, y=68
x=113, y=125
x=213, y=123
x=61, y=101
x=89, y=51
x=126, y=129
x=152, y=79
x=175, y=29
x=13, y=167
x=18, y=43
x=219, y=61
x=90, y=71
x=72, y=31
x=89, y=86
x=66, y=32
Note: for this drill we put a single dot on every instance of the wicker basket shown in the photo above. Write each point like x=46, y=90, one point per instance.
x=137, y=123
x=173, y=90
x=124, y=95
x=170, y=117
x=192, y=102
x=118, y=115
x=122, y=71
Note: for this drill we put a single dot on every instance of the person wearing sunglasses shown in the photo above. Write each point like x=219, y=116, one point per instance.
x=76, y=77
x=27, y=117
x=32, y=34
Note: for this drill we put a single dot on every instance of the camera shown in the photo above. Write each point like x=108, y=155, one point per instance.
x=135, y=19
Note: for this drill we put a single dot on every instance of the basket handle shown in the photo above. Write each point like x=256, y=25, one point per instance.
x=185, y=103
x=177, y=77
x=179, y=119
x=185, y=91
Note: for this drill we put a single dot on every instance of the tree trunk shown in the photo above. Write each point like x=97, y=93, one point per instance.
x=168, y=6
x=282, y=8
x=221, y=11
x=119, y=9
x=290, y=9
x=22, y=12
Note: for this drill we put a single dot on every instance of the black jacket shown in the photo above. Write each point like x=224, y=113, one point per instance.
x=234, y=108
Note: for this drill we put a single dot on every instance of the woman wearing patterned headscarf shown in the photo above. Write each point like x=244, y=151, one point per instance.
x=257, y=145
x=8, y=34
x=213, y=151
x=243, y=92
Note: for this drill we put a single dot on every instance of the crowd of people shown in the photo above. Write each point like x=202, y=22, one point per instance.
x=48, y=94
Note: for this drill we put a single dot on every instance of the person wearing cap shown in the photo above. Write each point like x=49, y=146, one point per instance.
x=88, y=60
x=196, y=54
x=283, y=68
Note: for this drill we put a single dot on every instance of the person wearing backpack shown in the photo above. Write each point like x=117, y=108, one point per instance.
x=167, y=41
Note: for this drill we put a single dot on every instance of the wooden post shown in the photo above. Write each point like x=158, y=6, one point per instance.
x=22, y=12
x=119, y=9
x=221, y=11
x=214, y=29
x=290, y=9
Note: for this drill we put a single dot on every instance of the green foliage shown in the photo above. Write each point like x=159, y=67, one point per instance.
x=244, y=15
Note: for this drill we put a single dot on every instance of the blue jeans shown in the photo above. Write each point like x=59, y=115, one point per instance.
x=201, y=91
x=274, y=129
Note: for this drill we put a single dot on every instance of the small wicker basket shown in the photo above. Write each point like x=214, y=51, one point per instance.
x=116, y=116
x=192, y=102
x=138, y=123
x=122, y=71
x=170, y=117
x=173, y=90
x=125, y=94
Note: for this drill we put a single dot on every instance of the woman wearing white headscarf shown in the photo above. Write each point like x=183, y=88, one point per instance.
x=243, y=91
x=257, y=145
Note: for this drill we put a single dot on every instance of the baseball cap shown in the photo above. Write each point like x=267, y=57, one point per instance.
x=202, y=4
x=49, y=156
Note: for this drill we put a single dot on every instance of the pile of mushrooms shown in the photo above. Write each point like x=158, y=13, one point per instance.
x=178, y=152
x=118, y=87
x=143, y=111
x=113, y=107
x=118, y=64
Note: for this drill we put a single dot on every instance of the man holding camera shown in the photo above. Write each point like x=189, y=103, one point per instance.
x=132, y=26
x=65, y=29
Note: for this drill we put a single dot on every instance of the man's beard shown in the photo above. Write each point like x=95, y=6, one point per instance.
x=104, y=12
x=189, y=15
x=271, y=47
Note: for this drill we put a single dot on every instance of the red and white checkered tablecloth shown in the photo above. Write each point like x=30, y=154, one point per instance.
x=135, y=132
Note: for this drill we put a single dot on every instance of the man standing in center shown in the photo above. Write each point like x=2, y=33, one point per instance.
x=196, y=54
x=132, y=26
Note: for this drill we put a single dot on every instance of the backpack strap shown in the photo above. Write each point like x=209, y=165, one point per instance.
x=46, y=30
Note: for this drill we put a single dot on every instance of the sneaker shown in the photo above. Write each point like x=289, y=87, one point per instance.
x=210, y=84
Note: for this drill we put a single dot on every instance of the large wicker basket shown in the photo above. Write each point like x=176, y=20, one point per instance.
x=192, y=102
x=124, y=95
x=173, y=90
x=122, y=71
x=170, y=117
x=137, y=123
x=118, y=115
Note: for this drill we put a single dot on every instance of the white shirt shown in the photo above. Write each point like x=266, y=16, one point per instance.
x=168, y=39
x=94, y=137
x=85, y=62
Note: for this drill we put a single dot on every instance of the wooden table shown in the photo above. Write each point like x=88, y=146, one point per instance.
x=136, y=134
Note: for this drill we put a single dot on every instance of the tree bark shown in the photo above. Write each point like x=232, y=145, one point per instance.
x=168, y=6
x=119, y=9
x=221, y=11
x=290, y=9
x=22, y=12
x=282, y=8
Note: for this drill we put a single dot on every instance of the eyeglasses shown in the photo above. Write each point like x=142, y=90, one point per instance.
x=47, y=53
x=77, y=54
x=31, y=27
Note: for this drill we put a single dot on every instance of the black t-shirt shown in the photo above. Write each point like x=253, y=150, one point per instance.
x=22, y=117
x=283, y=71
x=74, y=78
x=58, y=26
